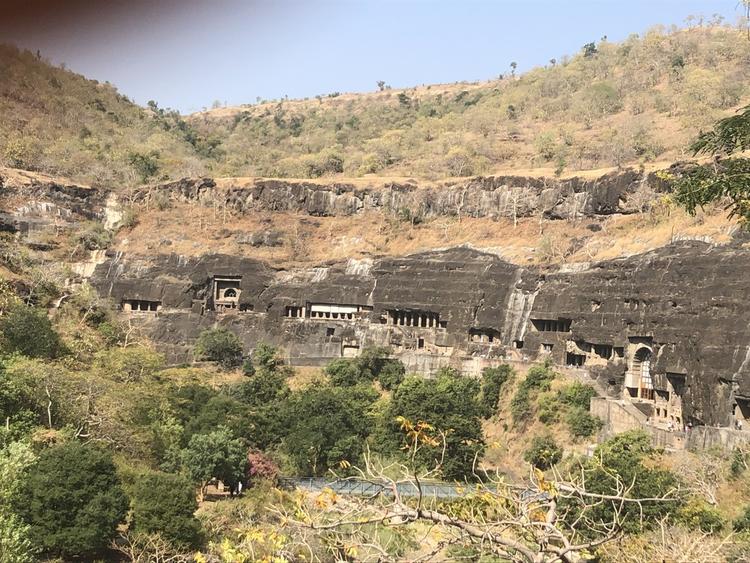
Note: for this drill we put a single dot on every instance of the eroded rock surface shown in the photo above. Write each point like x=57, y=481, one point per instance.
x=34, y=202
x=493, y=196
x=669, y=325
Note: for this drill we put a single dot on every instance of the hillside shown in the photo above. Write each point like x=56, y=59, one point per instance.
x=611, y=104
x=59, y=122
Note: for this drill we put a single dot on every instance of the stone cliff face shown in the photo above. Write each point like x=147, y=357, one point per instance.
x=492, y=197
x=31, y=203
x=668, y=327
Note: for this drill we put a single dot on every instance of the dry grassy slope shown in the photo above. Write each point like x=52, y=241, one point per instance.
x=59, y=122
x=640, y=100
x=637, y=101
x=192, y=230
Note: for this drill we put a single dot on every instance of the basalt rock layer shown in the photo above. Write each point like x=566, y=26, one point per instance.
x=669, y=325
x=32, y=203
x=493, y=197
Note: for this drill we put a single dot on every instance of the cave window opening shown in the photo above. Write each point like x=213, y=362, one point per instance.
x=552, y=325
x=603, y=351
x=419, y=319
x=295, y=312
x=575, y=360
x=140, y=306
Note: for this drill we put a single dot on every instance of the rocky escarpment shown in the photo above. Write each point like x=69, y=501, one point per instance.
x=668, y=325
x=492, y=196
x=33, y=202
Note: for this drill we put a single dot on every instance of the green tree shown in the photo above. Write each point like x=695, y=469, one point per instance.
x=28, y=331
x=219, y=410
x=219, y=345
x=15, y=543
x=146, y=165
x=589, y=50
x=326, y=426
x=165, y=504
x=727, y=177
x=543, y=452
x=450, y=404
x=628, y=459
x=72, y=500
x=18, y=404
x=262, y=388
x=371, y=364
x=215, y=455
x=698, y=514
x=345, y=372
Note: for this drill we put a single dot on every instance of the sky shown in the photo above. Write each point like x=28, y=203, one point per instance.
x=186, y=54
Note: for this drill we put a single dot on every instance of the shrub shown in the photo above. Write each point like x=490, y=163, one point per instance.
x=164, y=503
x=582, y=424
x=739, y=462
x=520, y=406
x=219, y=345
x=260, y=466
x=742, y=524
x=28, y=331
x=129, y=365
x=538, y=378
x=266, y=357
x=548, y=408
x=248, y=369
x=371, y=364
x=577, y=395
x=15, y=546
x=493, y=380
x=543, y=452
x=146, y=165
x=94, y=237
x=261, y=388
x=698, y=514
x=72, y=500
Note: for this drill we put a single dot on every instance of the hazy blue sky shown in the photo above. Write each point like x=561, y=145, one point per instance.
x=186, y=54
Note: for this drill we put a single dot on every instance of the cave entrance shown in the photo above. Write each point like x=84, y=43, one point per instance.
x=640, y=371
x=226, y=292
x=741, y=411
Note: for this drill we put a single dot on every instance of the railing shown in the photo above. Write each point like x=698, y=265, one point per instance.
x=362, y=487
